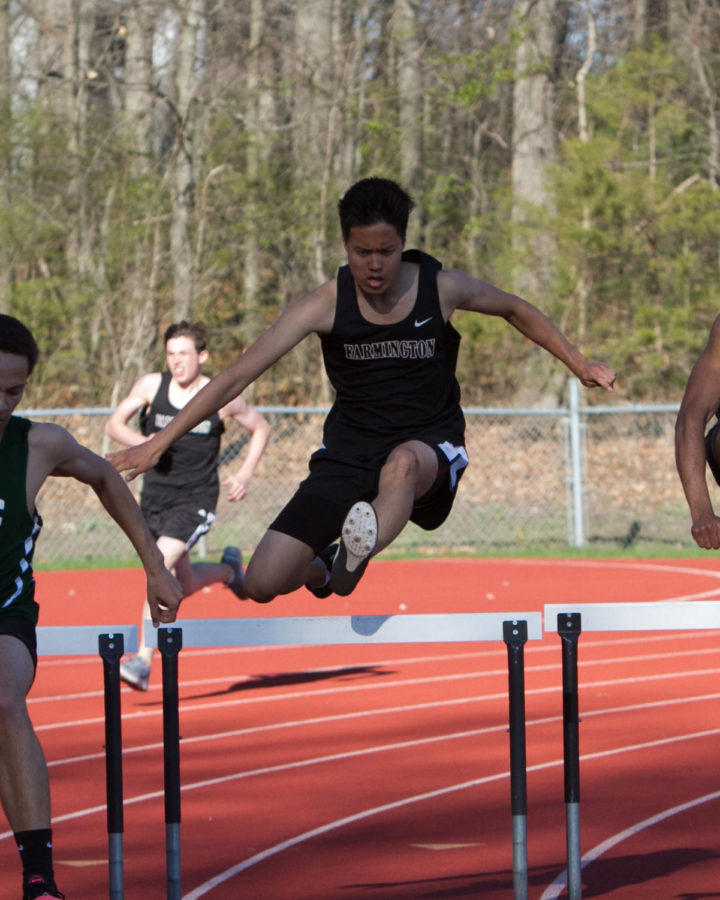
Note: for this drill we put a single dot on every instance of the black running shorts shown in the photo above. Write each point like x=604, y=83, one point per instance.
x=186, y=522
x=316, y=512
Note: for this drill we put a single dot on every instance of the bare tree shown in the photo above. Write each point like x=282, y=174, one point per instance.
x=533, y=142
x=186, y=152
x=137, y=77
x=410, y=92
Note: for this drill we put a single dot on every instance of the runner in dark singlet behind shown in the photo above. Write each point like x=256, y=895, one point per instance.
x=393, y=441
x=180, y=493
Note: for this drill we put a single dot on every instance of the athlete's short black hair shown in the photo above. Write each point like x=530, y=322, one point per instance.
x=195, y=330
x=373, y=200
x=18, y=339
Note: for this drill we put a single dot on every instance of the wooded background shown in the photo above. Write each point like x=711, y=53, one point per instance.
x=162, y=159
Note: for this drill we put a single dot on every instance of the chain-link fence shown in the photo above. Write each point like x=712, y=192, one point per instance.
x=572, y=476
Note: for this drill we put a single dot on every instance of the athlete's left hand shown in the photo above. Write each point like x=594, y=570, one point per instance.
x=238, y=487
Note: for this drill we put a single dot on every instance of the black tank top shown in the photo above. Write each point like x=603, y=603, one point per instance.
x=190, y=465
x=392, y=382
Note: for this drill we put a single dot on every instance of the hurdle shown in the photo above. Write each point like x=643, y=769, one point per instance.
x=110, y=642
x=569, y=623
x=514, y=629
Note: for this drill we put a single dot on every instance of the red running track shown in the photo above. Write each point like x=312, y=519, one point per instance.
x=381, y=771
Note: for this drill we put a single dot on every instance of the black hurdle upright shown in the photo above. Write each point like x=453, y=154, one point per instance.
x=515, y=636
x=569, y=626
x=169, y=642
x=111, y=647
x=265, y=633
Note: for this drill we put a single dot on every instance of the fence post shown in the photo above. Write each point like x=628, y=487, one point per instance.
x=576, y=473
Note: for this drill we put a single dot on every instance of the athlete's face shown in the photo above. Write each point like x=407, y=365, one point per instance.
x=13, y=378
x=374, y=253
x=183, y=360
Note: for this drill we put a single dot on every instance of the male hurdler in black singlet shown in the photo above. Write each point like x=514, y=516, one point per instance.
x=393, y=383
x=393, y=442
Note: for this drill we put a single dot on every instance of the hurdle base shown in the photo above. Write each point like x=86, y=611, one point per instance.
x=115, y=868
x=574, y=868
x=520, y=864
x=172, y=852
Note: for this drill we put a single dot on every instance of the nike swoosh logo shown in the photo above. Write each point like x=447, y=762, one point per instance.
x=424, y=322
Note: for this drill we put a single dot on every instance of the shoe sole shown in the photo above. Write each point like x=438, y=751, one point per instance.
x=358, y=540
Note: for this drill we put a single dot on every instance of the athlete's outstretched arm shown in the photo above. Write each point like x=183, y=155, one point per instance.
x=53, y=451
x=459, y=290
x=314, y=312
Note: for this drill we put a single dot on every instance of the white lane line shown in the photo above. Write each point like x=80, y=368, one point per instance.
x=532, y=651
x=554, y=890
x=241, y=866
x=391, y=747
x=617, y=564
x=406, y=682
x=393, y=710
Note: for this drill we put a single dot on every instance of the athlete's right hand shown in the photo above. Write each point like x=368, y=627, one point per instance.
x=706, y=531
x=135, y=460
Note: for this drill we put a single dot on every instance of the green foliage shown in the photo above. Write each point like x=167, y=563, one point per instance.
x=642, y=240
x=635, y=218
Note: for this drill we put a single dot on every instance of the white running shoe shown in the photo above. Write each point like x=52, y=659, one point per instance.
x=135, y=672
x=358, y=540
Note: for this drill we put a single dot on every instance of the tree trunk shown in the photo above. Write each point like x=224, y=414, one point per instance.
x=533, y=152
x=138, y=95
x=410, y=96
x=534, y=146
x=185, y=156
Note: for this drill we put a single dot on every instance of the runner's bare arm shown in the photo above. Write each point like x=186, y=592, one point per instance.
x=700, y=401
x=259, y=428
x=53, y=451
x=141, y=394
x=312, y=313
x=458, y=290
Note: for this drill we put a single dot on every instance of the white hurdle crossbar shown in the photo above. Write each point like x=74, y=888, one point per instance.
x=109, y=642
x=512, y=628
x=569, y=620
x=328, y=630
x=681, y=615
x=81, y=640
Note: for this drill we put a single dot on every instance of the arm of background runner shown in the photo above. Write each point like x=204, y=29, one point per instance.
x=700, y=402
x=53, y=451
x=459, y=290
x=312, y=313
x=141, y=394
x=259, y=427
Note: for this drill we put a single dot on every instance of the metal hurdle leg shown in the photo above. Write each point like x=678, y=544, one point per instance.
x=515, y=636
x=111, y=648
x=169, y=644
x=569, y=628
